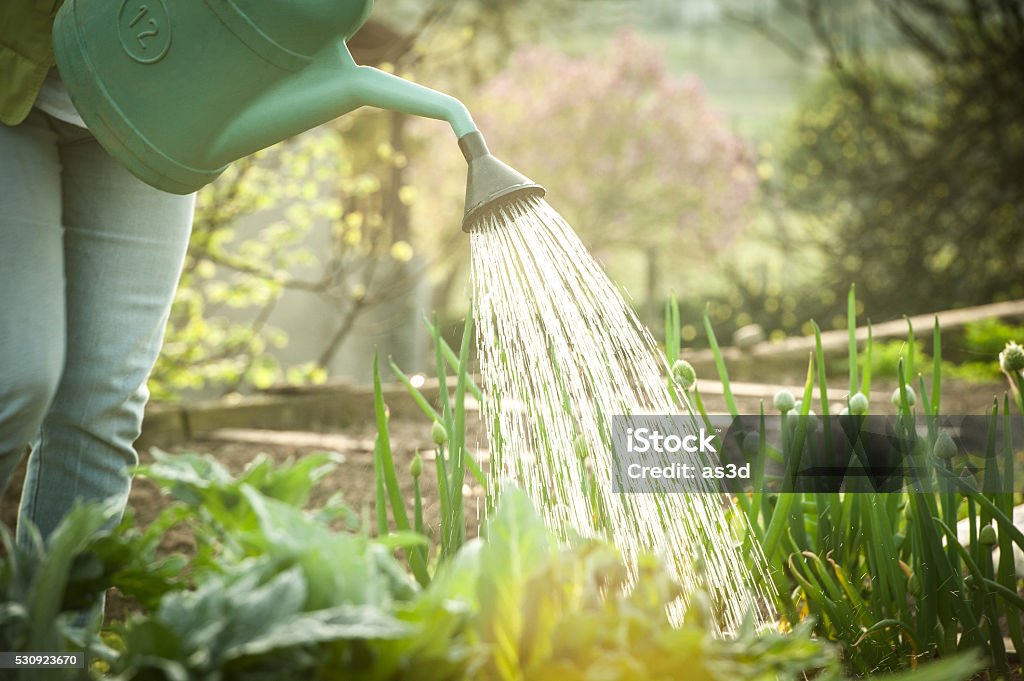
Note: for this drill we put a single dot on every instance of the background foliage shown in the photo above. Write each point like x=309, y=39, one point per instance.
x=688, y=152
x=899, y=168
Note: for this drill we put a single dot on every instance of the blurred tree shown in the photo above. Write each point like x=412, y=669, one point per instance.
x=636, y=159
x=908, y=156
x=321, y=229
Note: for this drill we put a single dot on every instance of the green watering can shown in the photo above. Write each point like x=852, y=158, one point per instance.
x=176, y=91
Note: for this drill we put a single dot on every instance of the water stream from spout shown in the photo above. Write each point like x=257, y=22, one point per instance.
x=560, y=352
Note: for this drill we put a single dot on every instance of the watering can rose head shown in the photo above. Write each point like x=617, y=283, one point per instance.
x=491, y=183
x=177, y=91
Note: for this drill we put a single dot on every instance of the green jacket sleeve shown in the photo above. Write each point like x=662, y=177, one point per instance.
x=26, y=54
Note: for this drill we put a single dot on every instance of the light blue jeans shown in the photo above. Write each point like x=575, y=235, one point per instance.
x=89, y=260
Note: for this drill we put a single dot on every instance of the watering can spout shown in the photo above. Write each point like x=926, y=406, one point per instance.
x=333, y=85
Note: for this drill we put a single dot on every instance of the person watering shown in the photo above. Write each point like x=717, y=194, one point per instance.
x=96, y=197
x=89, y=260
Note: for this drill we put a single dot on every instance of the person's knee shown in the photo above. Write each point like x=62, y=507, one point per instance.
x=27, y=388
x=100, y=411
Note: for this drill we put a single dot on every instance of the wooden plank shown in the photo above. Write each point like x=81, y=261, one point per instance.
x=335, y=442
x=801, y=346
x=768, y=390
x=356, y=448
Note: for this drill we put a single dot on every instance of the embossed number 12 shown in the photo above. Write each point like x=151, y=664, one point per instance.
x=153, y=29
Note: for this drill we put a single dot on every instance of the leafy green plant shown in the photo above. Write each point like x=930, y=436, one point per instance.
x=884, y=358
x=51, y=591
x=203, y=482
x=980, y=346
x=204, y=490
x=236, y=626
x=553, y=611
x=129, y=559
x=274, y=571
x=976, y=347
x=40, y=604
x=296, y=598
x=988, y=337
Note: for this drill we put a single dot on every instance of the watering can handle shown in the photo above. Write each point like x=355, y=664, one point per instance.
x=331, y=86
